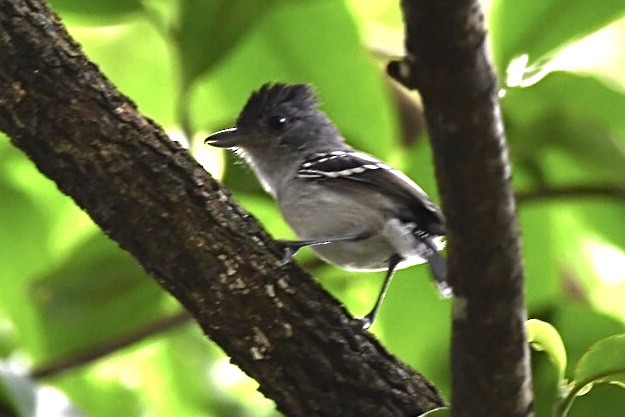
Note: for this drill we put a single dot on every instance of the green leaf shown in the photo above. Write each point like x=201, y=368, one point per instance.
x=572, y=95
x=540, y=255
x=603, y=362
x=538, y=27
x=109, y=393
x=589, y=241
x=580, y=325
x=98, y=293
x=208, y=30
x=97, y=12
x=606, y=400
x=542, y=336
x=140, y=62
x=266, y=211
x=575, y=116
x=412, y=302
x=17, y=394
x=24, y=248
x=291, y=45
x=546, y=384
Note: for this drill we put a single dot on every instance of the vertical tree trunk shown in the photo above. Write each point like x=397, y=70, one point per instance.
x=447, y=62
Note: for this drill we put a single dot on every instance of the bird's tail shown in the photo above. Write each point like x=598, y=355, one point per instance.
x=438, y=265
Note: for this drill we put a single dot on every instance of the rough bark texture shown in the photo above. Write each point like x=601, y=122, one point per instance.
x=149, y=195
x=448, y=63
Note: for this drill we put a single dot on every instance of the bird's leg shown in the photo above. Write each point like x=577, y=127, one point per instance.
x=292, y=246
x=367, y=321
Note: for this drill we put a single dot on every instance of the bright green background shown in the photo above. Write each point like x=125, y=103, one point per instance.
x=190, y=65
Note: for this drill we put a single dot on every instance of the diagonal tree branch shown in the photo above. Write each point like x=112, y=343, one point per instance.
x=448, y=63
x=93, y=353
x=149, y=195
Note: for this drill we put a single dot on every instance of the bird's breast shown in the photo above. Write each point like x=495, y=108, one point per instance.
x=316, y=212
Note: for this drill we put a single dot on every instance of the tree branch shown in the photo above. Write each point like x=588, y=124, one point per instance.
x=447, y=61
x=615, y=191
x=149, y=195
x=93, y=353
x=164, y=324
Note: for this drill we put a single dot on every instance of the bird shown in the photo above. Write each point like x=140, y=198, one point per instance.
x=351, y=209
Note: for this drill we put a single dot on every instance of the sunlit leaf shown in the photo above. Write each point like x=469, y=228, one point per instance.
x=544, y=337
x=8, y=337
x=604, y=362
x=96, y=12
x=139, y=61
x=92, y=392
x=538, y=27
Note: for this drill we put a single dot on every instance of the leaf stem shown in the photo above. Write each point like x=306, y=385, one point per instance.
x=562, y=407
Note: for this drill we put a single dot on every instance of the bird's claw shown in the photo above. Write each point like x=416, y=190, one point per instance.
x=288, y=251
x=364, y=322
x=444, y=289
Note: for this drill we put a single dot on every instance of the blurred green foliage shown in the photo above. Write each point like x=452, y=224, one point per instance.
x=191, y=64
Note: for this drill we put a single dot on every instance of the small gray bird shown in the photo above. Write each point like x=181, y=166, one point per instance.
x=353, y=210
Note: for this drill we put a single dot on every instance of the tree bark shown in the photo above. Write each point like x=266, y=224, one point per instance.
x=148, y=194
x=447, y=62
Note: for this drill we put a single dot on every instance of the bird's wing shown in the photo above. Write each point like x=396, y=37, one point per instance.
x=359, y=168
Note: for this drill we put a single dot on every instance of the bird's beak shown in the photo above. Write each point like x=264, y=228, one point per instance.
x=226, y=138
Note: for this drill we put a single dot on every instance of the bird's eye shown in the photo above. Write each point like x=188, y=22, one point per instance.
x=277, y=122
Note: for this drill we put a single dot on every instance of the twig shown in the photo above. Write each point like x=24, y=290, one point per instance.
x=83, y=357
x=575, y=191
